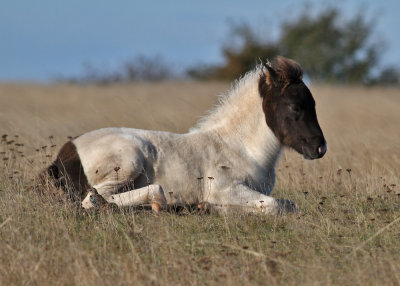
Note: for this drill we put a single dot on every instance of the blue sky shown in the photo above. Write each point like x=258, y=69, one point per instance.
x=44, y=39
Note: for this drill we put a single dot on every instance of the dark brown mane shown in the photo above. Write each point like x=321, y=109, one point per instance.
x=287, y=70
x=282, y=71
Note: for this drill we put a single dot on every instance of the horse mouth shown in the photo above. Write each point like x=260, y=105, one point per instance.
x=309, y=157
x=312, y=155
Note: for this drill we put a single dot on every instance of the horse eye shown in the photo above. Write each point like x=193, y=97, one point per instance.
x=294, y=108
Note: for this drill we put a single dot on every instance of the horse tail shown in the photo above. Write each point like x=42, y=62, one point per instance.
x=53, y=173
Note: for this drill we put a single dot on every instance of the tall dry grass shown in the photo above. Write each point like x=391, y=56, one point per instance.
x=347, y=233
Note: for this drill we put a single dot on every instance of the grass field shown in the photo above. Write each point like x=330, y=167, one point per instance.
x=347, y=232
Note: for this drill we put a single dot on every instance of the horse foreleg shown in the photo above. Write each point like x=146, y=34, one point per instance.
x=242, y=198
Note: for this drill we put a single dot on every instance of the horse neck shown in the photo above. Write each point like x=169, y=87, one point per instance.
x=240, y=121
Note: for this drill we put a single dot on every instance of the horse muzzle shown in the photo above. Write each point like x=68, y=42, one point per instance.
x=317, y=152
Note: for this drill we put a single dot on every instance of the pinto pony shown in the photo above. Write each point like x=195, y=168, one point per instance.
x=226, y=162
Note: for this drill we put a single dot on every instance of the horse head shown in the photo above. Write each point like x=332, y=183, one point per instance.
x=289, y=108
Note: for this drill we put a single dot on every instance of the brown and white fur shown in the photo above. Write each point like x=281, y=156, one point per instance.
x=226, y=162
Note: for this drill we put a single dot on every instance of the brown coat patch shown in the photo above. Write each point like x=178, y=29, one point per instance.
x=67, y=172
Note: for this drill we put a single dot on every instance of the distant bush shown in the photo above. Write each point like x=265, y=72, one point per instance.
x=388, y=76
x=239, y=58
x=138, y=69
x=329, y=48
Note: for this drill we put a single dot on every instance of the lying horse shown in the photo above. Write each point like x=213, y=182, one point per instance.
x=226, y=162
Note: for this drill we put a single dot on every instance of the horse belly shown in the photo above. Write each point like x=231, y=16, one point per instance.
x=180, y=179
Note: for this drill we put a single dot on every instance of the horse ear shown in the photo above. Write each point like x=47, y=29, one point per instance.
x=271, y=75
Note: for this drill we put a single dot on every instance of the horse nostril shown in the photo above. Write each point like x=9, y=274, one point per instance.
x=322, y=149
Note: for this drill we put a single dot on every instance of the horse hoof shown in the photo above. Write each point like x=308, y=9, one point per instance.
x=93, y=200
x=156, y=207
x=203, y=207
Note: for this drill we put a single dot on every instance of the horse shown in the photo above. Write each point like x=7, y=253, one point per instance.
x=226, y=162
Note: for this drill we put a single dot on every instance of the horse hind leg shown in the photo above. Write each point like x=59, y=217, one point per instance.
x=150, y=195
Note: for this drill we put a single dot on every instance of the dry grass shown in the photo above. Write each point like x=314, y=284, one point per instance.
x=348, y=232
